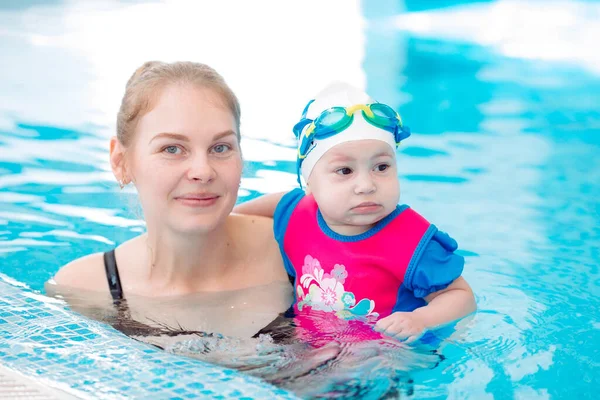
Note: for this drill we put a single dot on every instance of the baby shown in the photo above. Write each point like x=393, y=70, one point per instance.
x=349, y=247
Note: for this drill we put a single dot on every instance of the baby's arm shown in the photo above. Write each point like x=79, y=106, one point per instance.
x=444, y=306
x=264, y=205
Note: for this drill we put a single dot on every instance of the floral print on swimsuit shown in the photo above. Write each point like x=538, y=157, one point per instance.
x=325, y=291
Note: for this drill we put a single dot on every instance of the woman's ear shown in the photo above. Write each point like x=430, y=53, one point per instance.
x=117, y=161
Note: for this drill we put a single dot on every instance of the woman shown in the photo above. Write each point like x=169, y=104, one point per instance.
x=178, y=142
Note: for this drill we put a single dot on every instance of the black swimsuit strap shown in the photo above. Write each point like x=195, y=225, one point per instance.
x=112, y=275
x=124, y=323
x=114, y=282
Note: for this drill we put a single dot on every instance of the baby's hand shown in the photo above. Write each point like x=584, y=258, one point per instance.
x=402, y=325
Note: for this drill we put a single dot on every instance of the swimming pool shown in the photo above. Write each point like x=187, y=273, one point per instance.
x=504, y=156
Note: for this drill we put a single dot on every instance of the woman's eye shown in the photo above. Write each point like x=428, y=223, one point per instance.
x=343, y=171
x=382, y=167
x=172, y=149
x=221, y=148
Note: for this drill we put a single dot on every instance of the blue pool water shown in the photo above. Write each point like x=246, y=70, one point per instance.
x=502, y=98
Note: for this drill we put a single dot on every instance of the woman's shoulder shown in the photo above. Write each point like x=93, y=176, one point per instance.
x=255, y=235
x=89, y=272
x=253, y=231
x=253, y=227
x=84, y=273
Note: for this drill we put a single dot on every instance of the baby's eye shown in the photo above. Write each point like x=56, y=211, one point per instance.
x=172, y=150
x=221, y=148
x=343, y=171
x=382, y=167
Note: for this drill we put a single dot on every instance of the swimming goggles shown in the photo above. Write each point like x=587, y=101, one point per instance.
x=336, y=119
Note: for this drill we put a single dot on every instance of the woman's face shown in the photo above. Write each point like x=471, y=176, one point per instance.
x=185, y=160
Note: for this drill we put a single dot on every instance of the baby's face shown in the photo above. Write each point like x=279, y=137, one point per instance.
x=355, y=185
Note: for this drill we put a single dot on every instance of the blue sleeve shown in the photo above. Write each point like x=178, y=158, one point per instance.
x=284, y=211
x=282, y=215
x=437, y=268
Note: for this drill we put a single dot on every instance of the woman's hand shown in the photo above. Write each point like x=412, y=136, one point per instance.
x=405, y=326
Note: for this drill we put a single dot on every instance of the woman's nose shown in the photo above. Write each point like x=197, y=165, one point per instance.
x=201, y=169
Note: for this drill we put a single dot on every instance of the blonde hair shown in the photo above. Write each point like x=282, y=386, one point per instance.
x=147, y=82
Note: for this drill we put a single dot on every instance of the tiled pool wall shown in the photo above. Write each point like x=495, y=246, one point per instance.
x=66, y=351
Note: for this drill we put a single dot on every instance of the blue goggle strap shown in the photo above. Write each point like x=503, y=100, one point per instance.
x=306, y=108
x=298, y=132
x=297, y=129
x=300, y=126
x=402, y=132
x=298, y=165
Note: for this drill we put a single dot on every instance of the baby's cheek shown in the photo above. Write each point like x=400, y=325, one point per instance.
x=396, y=192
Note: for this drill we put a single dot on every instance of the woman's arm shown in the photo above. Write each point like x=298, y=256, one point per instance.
x=264, y=205
x=83, y=273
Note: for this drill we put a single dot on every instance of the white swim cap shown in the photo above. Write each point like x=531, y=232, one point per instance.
x=338, y=94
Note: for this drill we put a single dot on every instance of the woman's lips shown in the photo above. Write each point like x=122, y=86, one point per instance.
x=198, y=200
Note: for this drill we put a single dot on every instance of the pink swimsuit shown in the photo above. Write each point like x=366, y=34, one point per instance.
x=353, y=276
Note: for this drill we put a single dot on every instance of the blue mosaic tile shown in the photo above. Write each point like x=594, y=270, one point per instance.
x=90, y=359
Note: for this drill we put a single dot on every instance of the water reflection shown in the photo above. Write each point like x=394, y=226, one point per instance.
x=503, y=157
x=80, y=54
x=509, y=153
x=370, y=370
x=551, y=31
x=348, y=360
